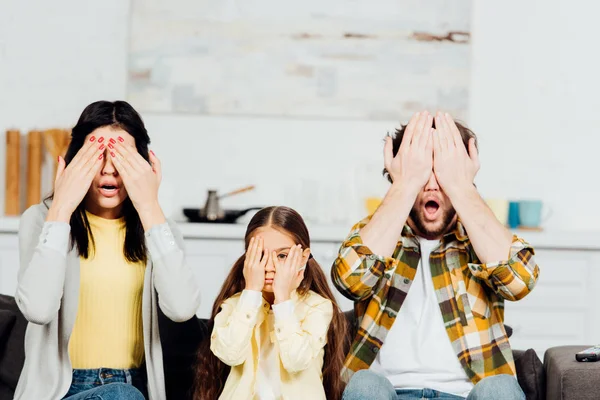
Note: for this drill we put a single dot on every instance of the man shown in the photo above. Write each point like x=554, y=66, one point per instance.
x=429, y=272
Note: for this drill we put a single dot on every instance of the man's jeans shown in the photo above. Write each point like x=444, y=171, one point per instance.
x=108, y=384
x=369, y=385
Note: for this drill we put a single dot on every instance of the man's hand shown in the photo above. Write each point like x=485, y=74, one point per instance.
x=454, y=168
x=412, y=166
x=409, y=170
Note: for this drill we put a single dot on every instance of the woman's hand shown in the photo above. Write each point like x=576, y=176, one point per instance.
x=254, y=265
x=141, y=180
x=72, y=182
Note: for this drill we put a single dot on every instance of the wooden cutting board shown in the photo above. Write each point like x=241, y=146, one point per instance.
x=12, y=199
x=34, y=167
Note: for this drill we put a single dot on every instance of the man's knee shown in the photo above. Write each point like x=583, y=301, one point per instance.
x=497, y=387
x=366, y=384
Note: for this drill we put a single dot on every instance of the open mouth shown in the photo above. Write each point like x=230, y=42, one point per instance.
x=109, y=190
x=431, y=208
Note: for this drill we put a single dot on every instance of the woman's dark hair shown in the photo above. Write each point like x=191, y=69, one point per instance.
x=211, y=373
x=121, y=115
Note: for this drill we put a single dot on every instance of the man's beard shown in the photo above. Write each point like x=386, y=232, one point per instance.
x=446, y=218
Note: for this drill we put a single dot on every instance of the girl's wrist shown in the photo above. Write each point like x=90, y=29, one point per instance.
x=281, y=297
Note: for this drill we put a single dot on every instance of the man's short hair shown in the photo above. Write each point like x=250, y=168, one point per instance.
x=465, y=133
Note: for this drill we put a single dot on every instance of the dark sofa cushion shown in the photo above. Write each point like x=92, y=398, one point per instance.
x=12, y=357
x=7, y=320
x=530, y=374
x=180, y=342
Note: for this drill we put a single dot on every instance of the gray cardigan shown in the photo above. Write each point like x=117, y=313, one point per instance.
x=48, y=294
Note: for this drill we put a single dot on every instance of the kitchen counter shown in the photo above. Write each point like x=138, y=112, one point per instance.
x=555, y=239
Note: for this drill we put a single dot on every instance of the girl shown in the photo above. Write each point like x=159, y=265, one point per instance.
x=276, y=328
x=97, y=258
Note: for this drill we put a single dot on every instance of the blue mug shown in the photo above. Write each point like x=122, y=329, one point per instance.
x=513, y=215
x=530, y=213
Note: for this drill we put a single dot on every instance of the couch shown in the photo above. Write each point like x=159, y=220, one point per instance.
x=561, y=377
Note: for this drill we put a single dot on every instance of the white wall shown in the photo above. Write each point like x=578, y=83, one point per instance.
x=533, y=105
x=55, y=58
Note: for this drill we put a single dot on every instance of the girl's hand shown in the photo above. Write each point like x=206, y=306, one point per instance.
x=254, y=266
x=289, y=273
x=72, y=182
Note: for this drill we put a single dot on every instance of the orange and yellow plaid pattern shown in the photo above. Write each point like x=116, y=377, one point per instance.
x=470, y=296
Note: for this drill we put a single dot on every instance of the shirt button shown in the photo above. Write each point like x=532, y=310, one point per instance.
x=479, y=268
x=375, y=350
x=474, y=268
x=172, y=243
x=406, y=280
x=247, y=316
x=278, y=330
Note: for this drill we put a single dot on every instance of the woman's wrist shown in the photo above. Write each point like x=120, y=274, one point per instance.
x=58, y=214
x=151, y=215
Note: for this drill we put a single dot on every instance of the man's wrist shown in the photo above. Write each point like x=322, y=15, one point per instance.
x=463, y=195
x=403, y=191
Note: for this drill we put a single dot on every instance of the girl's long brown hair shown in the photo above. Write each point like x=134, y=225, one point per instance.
x=211, y=373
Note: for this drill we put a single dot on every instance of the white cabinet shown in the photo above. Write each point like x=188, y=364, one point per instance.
x=563, y=309
x=211, y=261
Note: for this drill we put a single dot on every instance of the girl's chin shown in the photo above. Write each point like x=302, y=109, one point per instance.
x=268, y=288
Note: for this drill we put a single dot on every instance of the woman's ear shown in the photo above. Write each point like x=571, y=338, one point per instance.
x=305, y=255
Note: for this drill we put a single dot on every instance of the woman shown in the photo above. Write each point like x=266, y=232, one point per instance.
x=277, y=331
x=97, y=258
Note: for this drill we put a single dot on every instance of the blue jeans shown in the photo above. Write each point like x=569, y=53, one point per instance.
x=108, y=384
x=365, y=384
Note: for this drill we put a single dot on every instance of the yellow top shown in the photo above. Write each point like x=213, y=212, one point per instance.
x=108, y=328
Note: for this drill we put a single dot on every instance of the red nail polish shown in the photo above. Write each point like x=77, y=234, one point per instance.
x=112, y=154
x=152, y=153
x=92, y=138
x=121, y=139
x=110, y=146
x=112, y=141
x=102, y=147
x=101, y=140
x=58, y=158
x=100, y=156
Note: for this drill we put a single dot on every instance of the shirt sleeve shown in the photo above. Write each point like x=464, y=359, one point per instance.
x=357, y=270
x=160, y=241
x=513, y=278
x=56, y=236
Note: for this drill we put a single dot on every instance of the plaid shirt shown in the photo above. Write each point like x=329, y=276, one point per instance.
x=470, y=295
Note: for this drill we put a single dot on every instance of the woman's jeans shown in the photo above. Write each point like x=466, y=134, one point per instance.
x=108, y=384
